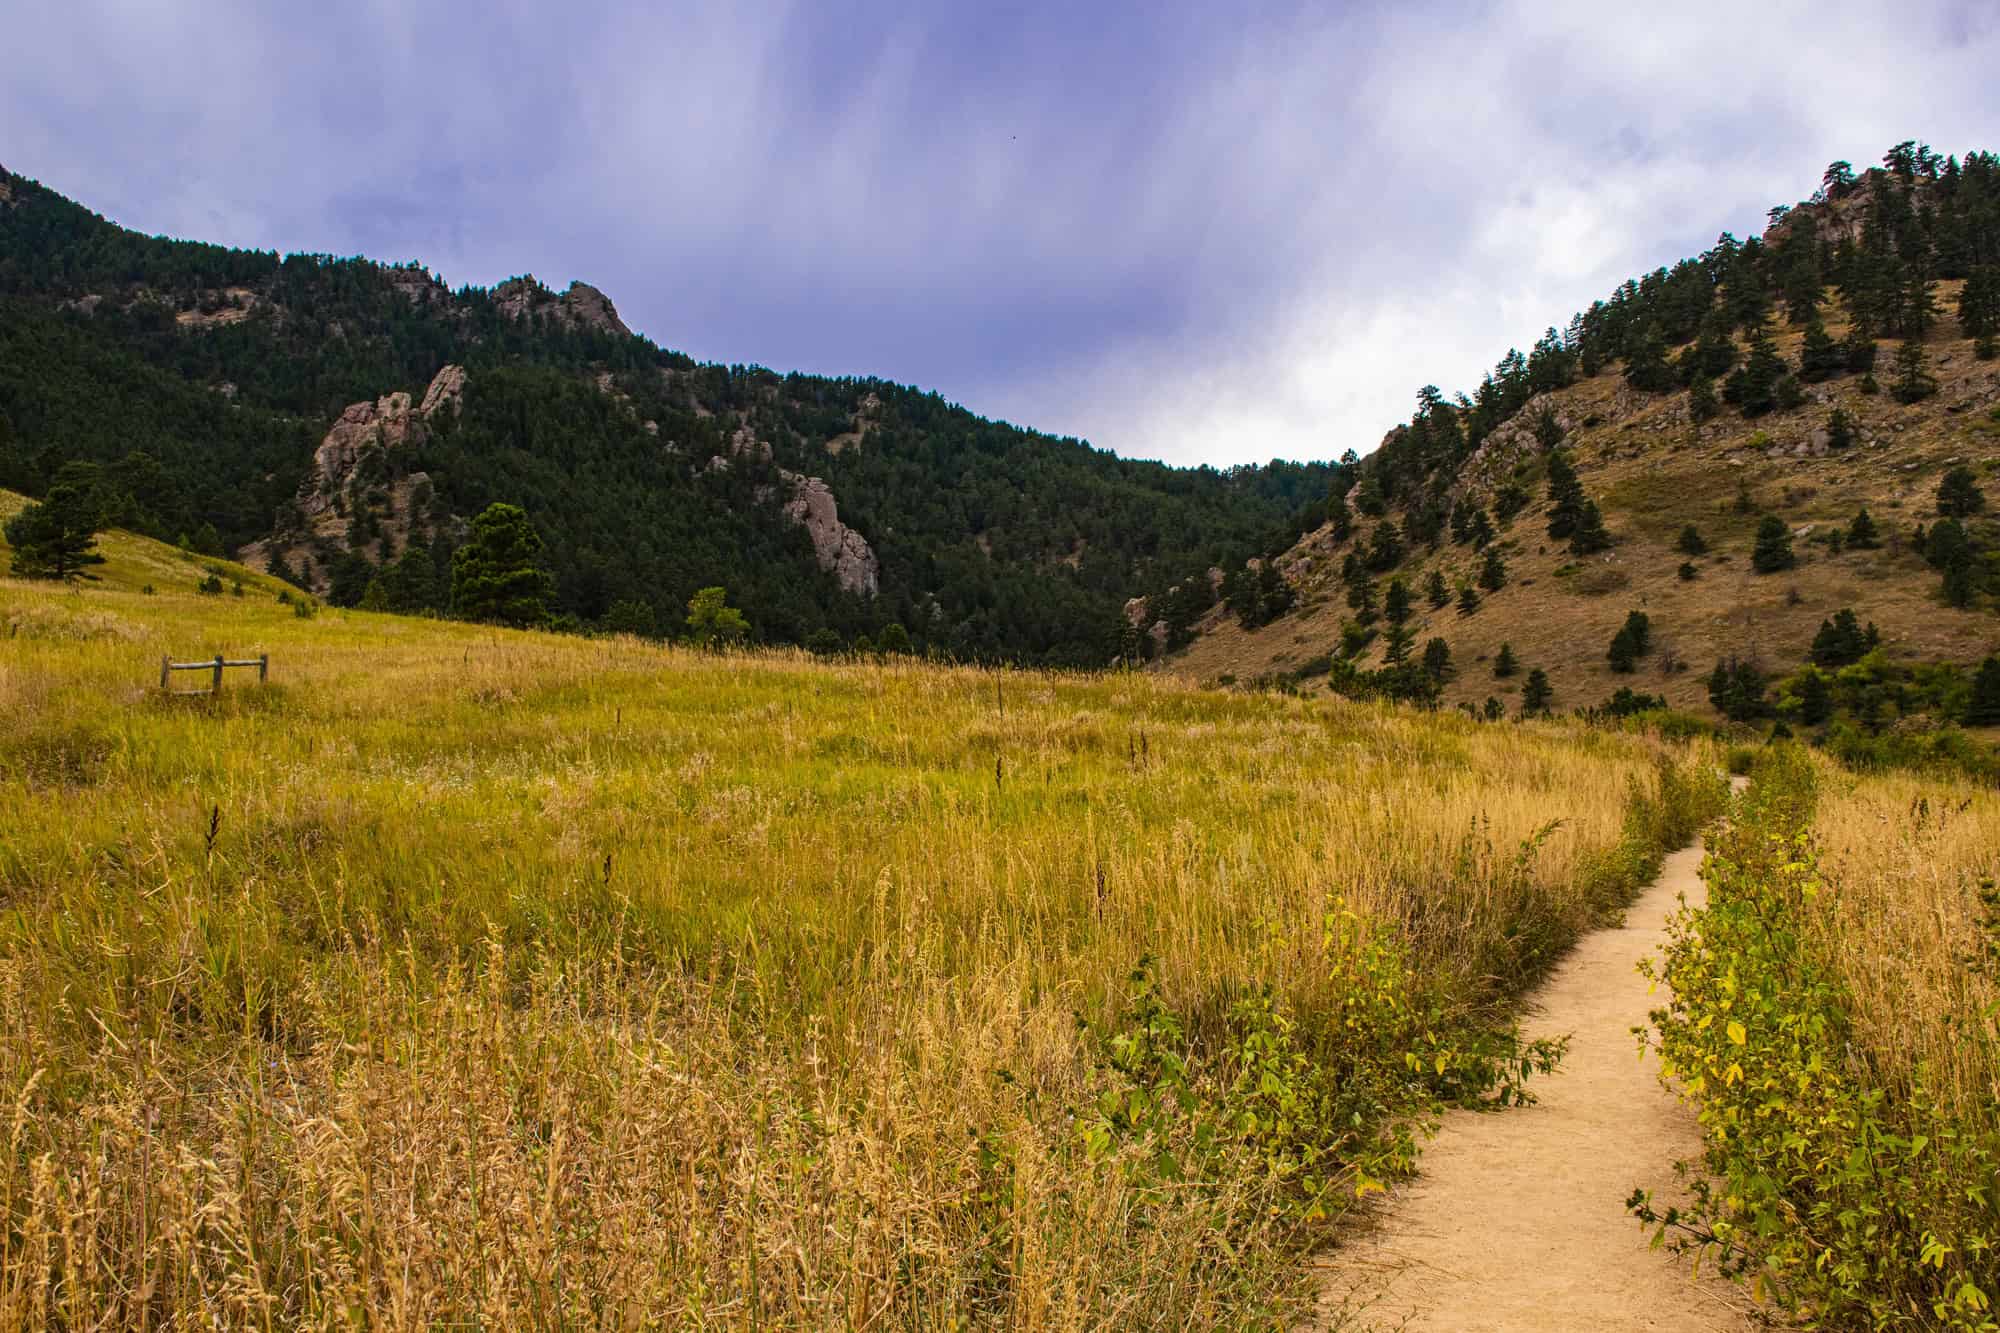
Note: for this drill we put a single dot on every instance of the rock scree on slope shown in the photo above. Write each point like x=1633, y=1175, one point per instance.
x=1517, y=1219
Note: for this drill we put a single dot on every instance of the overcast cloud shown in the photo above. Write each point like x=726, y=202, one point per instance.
x=1202, y=233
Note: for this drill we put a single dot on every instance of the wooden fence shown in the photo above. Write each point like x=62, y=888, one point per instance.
x=168, y=666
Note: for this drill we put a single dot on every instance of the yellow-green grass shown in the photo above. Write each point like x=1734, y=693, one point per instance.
x=466, y=974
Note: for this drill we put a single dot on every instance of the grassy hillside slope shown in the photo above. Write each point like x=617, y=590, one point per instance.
x=1653, y=471
x=459, y=973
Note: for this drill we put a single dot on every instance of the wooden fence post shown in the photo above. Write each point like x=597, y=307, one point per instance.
x=263, y=667
x=218, y=675
x=163, y=672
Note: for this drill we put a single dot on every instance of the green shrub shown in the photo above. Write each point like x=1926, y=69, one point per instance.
x=1856, y=1203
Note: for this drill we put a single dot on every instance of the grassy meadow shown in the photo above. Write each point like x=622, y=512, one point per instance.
x=461, y=976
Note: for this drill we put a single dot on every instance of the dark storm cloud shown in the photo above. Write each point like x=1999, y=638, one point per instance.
x=1200, y=232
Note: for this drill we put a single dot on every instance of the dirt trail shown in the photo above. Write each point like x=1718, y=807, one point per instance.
x=1517, y=1220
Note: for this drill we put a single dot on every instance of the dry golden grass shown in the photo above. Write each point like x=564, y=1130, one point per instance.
x=1908, y=934
x=462, y=975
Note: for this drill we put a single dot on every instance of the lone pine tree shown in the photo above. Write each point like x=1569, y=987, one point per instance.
x=1773, y=550
x=497, y=575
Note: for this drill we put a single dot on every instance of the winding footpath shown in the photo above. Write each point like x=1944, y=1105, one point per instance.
x=1517, y=1220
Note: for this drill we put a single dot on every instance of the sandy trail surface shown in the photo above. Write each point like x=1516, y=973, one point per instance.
x=1517, y=1220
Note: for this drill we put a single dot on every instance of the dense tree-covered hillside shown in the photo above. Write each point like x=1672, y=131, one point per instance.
x=200, y=378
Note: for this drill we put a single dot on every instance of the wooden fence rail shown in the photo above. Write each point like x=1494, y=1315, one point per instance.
x=168, y=666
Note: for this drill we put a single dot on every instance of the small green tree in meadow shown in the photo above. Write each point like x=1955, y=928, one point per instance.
x=497, y=576
x=1493, y=571
x=1436, y=591
x=1691, y=542
x=1861, y=533
x=712, y=622
x=1505, y=663
x=57, y=539
x=1839, y=430
x=1773, y=550
x=1537, y=694
x=1468, y=600
x=893, y=639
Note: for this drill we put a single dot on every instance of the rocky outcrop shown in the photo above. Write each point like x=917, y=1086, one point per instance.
x=447, y=390
x=840, y=549
x=355, y=468
x=581, y=307
x=414, y=283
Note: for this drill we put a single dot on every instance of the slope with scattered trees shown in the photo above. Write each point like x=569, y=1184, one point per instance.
x=1734, y=449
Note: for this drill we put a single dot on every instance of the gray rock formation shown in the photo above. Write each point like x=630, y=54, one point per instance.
x=582, y=306
x=839, y=548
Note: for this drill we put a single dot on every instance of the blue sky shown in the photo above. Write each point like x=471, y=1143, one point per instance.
x=1196, y=232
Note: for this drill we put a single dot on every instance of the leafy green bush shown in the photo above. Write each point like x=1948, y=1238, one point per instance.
x=1857, y=1202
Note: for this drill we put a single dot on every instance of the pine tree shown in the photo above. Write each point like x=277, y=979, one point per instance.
x=1646, y=367
x=1396, y=606
x=1590, y=535
x=1688, y=573
x=1482, y=530
x=1736, y=689
x=56, y=539
x=1436, y=591
x=1839, y=430
x=1468, y=600
x=1493, y=571
x=1958, y=494
x=1385, y=549
x=1840, y=641
x=1961, y=581
x=1622, y=655
x=1861, y=533
x=1505, y=664
x=1702, y=403
x=1857, y=353
x=1914, y=381
x=1361, y=600
x=1773, y=551
x=1396, y=647
x=1821, y=357
x=1979, y=303
x=1566, y=498
x=497, y=575
x=1813, y=696
x=1753, y=388
x=1537, y=694
x=1437, y=660
x=1691, y=542
x=1983, y=709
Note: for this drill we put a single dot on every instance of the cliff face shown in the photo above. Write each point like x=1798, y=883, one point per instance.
x=356, y=471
